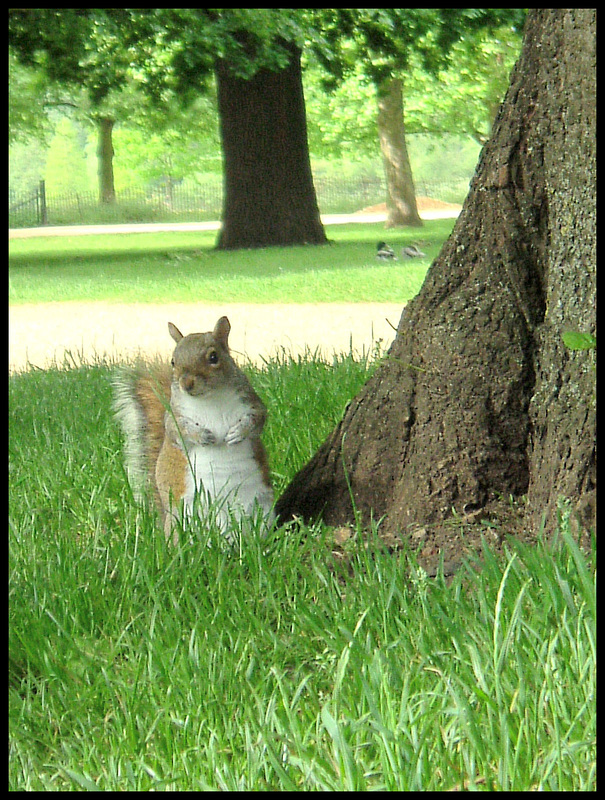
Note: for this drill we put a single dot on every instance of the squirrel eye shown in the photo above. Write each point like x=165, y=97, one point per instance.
x=172, y=362
x=213, y=357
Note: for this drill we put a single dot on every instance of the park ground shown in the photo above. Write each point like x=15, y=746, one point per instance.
x=43, y=334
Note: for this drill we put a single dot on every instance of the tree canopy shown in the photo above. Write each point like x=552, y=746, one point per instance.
x=170, y=54
x=165, y=51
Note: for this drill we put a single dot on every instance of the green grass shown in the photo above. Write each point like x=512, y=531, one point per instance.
x=184, y=267
x=134, y=665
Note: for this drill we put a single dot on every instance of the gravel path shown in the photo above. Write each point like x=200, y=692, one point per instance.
x=42, y=333
x=429, y=209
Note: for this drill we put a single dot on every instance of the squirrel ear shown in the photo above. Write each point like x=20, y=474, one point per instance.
x=174, y=332
x=221, y=330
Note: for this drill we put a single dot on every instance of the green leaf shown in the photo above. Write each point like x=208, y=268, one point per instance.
x=579, y=341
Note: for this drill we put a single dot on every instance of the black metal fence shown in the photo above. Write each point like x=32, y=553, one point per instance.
x=198, y=202
x=30, y=208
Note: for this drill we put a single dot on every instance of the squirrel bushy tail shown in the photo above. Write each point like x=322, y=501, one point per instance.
x=141, y=397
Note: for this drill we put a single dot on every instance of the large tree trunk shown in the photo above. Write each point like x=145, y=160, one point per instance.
x=269, y=197
x=478, y=398
x=107, y=192
x=401, y=195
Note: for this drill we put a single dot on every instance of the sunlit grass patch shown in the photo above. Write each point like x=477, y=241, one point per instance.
x=184, y=267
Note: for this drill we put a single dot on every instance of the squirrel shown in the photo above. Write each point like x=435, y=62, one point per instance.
x=192, y=431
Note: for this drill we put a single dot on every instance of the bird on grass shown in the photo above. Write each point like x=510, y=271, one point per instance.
x=412, y=252
x=384, y=252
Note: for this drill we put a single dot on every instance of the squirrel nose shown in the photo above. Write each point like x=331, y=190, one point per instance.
x=187, y=383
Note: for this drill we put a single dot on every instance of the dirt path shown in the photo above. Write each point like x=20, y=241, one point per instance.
x=42, y=333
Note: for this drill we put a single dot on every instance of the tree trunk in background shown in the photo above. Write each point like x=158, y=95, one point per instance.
x=478, y=398
x=107, y=192
x=401, y=196
x=269, y=197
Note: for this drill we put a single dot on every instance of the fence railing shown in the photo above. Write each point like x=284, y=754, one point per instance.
x=30, y=207
x=197, y=202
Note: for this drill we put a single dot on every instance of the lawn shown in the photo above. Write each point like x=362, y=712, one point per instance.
x=282, y=663
x=184, y=267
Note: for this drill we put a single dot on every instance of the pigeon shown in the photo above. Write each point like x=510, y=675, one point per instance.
x=384, y=252
x=412, y=252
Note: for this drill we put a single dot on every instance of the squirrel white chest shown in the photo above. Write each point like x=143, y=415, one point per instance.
x=217, y=412
x=228, y=473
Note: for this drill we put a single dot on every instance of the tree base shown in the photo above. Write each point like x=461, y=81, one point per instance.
x=478, y=399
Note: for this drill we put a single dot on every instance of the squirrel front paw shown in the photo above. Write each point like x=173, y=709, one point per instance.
x=248, y=424
x=235, y=435
x=238, y=432
x=196, y=434
x=205, y=436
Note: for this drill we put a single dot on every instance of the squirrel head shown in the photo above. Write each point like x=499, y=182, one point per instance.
x=201, y=361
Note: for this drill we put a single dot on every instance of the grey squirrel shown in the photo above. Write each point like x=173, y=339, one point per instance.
x=192, y=431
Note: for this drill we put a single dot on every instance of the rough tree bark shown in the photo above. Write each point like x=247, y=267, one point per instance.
x=401, y=195
x=478, y=399
x=107, y=192
x=269, y=197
